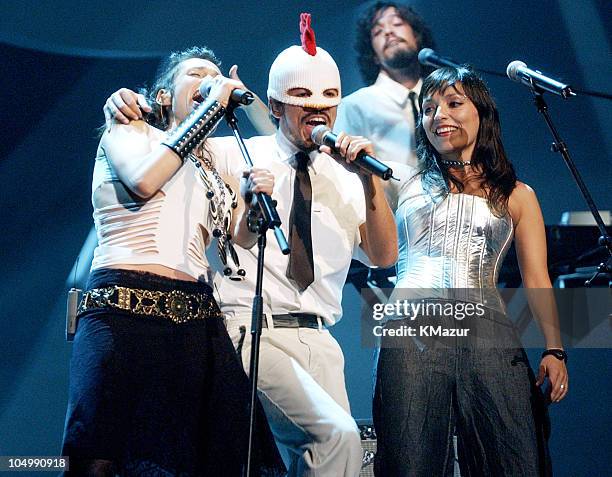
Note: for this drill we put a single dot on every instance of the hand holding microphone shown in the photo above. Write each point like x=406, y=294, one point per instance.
x=224, y=90
x=255, y=180
x=356, y=150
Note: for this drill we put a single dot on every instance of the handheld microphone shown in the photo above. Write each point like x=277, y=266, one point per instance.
x=518, y=71
x=322, y=135
x=239, y=96
x=428, y=57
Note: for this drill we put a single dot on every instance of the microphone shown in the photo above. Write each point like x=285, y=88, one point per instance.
x=518, y=71
x=239, y=96
x=323, y=136
x=428, y=57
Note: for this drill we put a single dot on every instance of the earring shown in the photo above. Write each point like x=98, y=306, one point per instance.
x=161, y=110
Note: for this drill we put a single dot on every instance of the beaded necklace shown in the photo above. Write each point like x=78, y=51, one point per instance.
x=453, y=163
x=220, y=211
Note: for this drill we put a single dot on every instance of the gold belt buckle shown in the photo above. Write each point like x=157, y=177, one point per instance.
x=177, y=306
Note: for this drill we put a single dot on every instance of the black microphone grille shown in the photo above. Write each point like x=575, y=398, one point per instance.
x=424, y=55
x=318, y=133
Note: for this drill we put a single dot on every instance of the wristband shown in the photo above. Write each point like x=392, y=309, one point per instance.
x=195, y=128
x=557, y=353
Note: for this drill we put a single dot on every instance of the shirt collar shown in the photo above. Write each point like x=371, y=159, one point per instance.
x=396, y=91
x=287, y=150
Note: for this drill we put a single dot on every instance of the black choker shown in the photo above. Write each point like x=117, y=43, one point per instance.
x=452, y=163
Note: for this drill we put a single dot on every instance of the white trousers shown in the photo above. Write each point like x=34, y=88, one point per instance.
x=301, y=387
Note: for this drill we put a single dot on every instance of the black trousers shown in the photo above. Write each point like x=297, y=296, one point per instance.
x=426, y=387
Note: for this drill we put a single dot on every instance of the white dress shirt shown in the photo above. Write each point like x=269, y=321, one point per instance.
x=338, y=210
x=382, y=113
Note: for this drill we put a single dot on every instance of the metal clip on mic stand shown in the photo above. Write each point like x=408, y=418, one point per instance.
x=267, y=218
x=559, y=146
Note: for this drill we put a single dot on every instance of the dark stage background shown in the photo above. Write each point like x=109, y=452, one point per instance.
x=61, y=59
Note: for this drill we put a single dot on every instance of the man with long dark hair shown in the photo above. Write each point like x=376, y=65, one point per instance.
x=389, y=38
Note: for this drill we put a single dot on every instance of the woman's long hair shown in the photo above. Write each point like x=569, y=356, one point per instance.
x=497, y=176
x=159, y=117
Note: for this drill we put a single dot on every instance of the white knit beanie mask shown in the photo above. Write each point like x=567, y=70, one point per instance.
x=294, y=68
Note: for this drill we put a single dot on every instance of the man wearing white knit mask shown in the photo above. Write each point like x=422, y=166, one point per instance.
x=330, y=214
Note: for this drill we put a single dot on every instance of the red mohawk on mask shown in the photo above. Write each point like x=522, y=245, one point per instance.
x=307, y=35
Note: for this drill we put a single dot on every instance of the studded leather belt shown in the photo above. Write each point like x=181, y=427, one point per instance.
x=176, y=305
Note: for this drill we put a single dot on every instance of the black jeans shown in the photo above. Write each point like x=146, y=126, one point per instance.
x=427, y=387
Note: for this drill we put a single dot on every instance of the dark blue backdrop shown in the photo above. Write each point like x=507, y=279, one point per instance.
x=60, y=60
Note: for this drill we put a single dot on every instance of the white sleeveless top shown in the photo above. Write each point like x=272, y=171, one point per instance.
x=164, y=230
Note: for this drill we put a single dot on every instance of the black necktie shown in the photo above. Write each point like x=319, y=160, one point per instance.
x=415, y=110
x=301, y=263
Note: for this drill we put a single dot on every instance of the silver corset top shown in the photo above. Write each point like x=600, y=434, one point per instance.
x=448, y=240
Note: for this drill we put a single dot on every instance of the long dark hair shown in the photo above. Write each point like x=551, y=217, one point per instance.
x=497, y=176
x=366, y=58
x=164, y=79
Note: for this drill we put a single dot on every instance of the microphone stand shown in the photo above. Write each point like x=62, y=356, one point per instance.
x=559, y=146
x=259, y=222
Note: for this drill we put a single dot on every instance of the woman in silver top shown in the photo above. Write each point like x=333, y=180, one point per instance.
x=456, y=219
